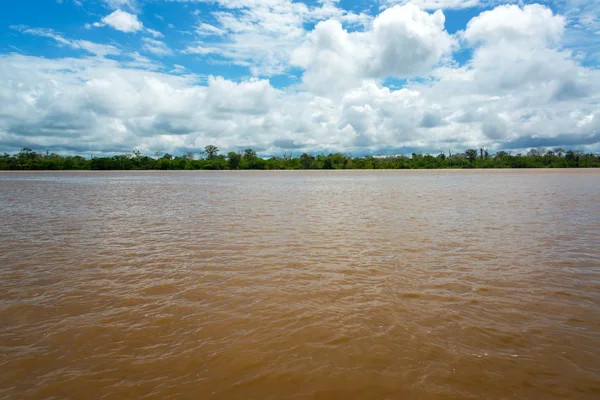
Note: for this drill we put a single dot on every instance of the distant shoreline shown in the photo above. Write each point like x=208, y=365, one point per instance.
x=210, y=159
x=573, y=169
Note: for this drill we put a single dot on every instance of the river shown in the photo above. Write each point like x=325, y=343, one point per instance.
x=468, y=284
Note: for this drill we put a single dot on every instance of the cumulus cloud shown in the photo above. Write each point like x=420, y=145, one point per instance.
x=98, y=104
x=403, y=41
x=378, y=115
x=407, y=41
x=123, y=21
x=516, y=48
x=519, y=83
x=532, y=25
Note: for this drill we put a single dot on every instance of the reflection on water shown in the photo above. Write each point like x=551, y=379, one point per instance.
x=275, y=285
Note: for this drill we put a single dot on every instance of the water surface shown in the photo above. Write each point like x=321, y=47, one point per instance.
x=300, y=285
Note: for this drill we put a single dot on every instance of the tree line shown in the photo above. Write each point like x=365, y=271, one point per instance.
x=211, y=159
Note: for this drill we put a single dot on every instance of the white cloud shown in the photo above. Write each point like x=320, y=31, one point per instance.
x=377, y=115
x=123, y=21
x=154, y=33
x=518, y=83
x=408, y=41
x=90, y=47
x=156, y=47
x=520, y=46
x=138, y=61
x=204, y=29
x=582, y=32
x=178, y=69
x=403, y=41
x=581, y=14
x=263, y=34
x=119, y=108
x=95, y=48
x=122, y=4
x=201, y=50
x=531, y=25
x=435, y=4
x=43, y=32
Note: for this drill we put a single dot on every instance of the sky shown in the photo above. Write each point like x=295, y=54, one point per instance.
x=361, y=77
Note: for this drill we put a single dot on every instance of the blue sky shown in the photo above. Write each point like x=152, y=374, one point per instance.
x=365, y=77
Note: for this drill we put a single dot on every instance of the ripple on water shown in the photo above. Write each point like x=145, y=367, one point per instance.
x=320, y=285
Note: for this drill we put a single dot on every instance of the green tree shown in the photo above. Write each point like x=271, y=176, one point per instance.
x=572, y=158
x=249, y=155
x=559, y=151
x=306, y=161
x=471, y=155
x=27, y=154
x=211, y=152
x=234, y=160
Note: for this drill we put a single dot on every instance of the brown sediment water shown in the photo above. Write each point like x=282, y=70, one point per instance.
x=300, y=285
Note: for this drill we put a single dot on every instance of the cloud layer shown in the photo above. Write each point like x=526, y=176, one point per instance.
x=383, y=84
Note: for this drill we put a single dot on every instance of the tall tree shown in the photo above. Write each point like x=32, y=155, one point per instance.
x=27, y=154
x=211, y=151
x=471, y=155
x=559, y=151
x=306, y=161
x=234, y=160
x=249, y=155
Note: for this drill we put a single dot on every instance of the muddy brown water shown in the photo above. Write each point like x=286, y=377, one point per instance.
x=300, y=285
